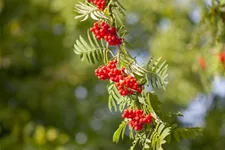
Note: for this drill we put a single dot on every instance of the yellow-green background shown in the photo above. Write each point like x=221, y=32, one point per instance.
x=50, y=100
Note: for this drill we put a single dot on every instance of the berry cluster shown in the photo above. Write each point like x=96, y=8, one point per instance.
x=137, y=118
x=103, y=30
x=126, y=84
x=99, y=3
x=110, y=72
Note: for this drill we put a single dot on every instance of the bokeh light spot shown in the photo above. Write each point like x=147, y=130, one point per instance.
x=81, y=138
x=81, y=92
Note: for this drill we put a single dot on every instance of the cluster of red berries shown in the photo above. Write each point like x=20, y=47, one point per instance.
x=103, y=30
x=110, y=72
x=137, y=118
x=99, y=3
x=126, y=84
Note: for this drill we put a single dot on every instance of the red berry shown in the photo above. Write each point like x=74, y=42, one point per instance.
x=103, y=31
x=126, y=84
x=202, y=63
x=129, y=83
x=222, y=57
x=138, y=119
x=99, y=3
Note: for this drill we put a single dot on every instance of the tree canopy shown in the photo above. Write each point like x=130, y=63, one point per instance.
x=49, y=99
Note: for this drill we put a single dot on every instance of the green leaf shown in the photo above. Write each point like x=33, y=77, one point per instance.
x=136, y=139
x=85, y=10
x=186, y=133
x=154, y=107
x=111, y=103
x=116, y=99
x=119, y=17
x=146, y=146
x=157, y=73
x=177, y=136
x=114, y=96
x=158, y=136
x=154, y=102
x=118, y=12
x=124, y=102
x=91, y=50
x=119, y=132
x=138, y=70
x=131, y=135
x=122, y=30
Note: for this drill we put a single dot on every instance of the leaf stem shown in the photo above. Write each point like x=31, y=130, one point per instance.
x=111, y=13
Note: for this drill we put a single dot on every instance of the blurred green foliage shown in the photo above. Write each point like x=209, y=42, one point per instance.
x=49, y=99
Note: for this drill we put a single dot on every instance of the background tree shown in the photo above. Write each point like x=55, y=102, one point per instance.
x=51, y=100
